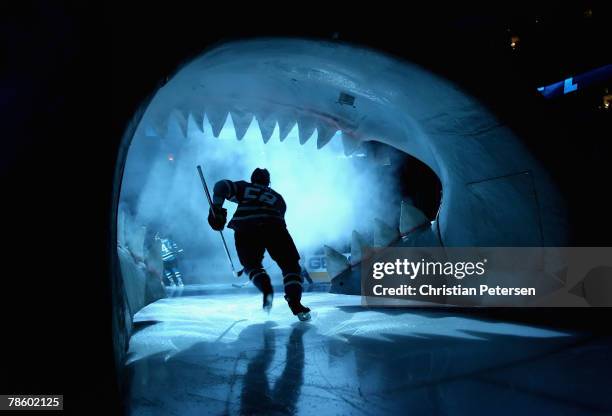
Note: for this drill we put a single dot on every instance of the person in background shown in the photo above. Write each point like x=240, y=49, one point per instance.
x=170, y=252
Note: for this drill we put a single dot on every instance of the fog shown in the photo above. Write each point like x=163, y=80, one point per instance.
x=328, y=195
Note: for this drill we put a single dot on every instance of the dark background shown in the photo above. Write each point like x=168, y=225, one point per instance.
x=73, y=76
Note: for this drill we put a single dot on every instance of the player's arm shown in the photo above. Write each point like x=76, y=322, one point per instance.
x=224, y=189
x=217, y=215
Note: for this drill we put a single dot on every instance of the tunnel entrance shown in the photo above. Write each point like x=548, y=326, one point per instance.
x=340, y=183
x=329, y=194
x=341, y=161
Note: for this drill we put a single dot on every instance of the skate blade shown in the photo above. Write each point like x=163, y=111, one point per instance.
x=268, y=303
x=304, y=316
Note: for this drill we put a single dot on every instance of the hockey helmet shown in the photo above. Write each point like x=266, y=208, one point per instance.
x=261, y=177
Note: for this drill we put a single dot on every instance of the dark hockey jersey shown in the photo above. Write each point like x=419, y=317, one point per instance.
x=257, y=204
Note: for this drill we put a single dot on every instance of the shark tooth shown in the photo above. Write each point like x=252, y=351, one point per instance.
x=384, y=234
x=217, y=119
x=306, y=129
x=358, y=242
x=266, y=126
x=242, y=120
x=158, y=126
x=578, y=290
x=410, y=218
x=324, y=134
x=177, y=123
x=336, y=262
x=350, y=143
x=155, y=130
x=285, y=125
x=195, y=122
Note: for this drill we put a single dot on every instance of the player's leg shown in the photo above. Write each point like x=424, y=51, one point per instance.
x=282, y=249
x=177, y=275
x=250, y=249
x=168, y=275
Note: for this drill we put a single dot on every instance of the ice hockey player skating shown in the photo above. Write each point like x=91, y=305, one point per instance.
x=170, y=252
x=259, y=225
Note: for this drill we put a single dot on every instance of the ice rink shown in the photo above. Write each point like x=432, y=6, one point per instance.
x=220, y=354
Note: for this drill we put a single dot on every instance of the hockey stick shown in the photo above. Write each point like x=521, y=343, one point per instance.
x=229, y=257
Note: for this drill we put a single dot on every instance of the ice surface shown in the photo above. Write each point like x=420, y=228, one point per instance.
x=223, y=355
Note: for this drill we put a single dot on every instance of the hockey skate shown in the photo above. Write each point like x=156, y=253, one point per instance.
x=304, y=316
x=267, y=301
x=299, y=310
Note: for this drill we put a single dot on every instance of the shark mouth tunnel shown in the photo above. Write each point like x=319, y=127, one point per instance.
x=366, y=150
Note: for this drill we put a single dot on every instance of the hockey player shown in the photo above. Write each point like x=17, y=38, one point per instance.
x=170, y=252
x=259, y=225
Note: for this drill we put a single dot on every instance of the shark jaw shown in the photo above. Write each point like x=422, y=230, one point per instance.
x=335, y=91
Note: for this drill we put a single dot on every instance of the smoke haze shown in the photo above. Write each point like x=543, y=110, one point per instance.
x=328, y=195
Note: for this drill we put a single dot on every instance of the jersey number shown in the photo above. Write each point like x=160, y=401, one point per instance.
x=254, y=193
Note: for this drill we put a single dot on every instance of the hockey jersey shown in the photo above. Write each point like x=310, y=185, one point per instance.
x=257, y=204
x=169, y=249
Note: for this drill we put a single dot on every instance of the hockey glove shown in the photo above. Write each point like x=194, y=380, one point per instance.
x=217, y=218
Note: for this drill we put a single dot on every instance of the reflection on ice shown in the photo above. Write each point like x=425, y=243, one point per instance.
x=223, y=355
x=188, y=320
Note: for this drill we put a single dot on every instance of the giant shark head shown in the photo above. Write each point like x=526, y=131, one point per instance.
x=494, y=191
